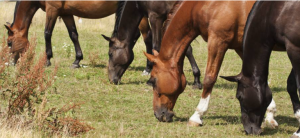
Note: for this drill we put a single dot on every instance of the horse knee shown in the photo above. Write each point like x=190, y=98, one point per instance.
x=209, y=81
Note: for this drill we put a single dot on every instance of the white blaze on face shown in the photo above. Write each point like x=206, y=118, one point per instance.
x=201, y=110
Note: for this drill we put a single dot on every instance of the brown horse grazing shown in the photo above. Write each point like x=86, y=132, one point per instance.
x=221, y=24
x=270, y=26
x=25, y=10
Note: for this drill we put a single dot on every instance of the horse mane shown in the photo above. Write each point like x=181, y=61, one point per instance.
x=121, y=5
x=171, y=15
x=15, y=12
x=250, y=16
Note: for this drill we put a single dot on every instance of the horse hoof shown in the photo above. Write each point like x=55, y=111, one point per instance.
x=75, y=66
x=48, y=63
x=145, y=73
x=197, y=86
x=270, y=124
x=193, y=124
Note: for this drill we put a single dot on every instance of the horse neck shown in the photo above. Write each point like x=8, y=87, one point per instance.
x=23, y=17
x=257, y=48
x=128, y=25
x=178, y=36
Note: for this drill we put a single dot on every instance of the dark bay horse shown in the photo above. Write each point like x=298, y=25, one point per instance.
x=121, y=42
x=221, y=24
x=25, y=10
x=270, y=25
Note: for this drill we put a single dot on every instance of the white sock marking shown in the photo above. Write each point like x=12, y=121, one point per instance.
x=269, y=120
x=201, y=110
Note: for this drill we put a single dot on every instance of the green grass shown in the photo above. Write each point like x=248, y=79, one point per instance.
x=126, y=110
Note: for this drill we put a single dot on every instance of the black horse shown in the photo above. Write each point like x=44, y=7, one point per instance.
x=270, y=26
x=125, y=33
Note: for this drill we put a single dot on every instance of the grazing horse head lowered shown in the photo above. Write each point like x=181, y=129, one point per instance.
x=270, y=26
x=168, y=81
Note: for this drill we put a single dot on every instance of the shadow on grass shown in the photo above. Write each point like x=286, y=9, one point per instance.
x=137, y=68
x=98, y=66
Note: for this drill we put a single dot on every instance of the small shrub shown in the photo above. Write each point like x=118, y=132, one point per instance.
x=94, y=58
x=26, y=90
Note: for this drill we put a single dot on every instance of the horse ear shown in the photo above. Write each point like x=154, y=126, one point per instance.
x=150, y=57
x=106, y=38
x=155, y=53
x=231, y=78
x=8, y=28
x=7, y=23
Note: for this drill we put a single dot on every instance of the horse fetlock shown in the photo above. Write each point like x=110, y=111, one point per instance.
x=195, y=120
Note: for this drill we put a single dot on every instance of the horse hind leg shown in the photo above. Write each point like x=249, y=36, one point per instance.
x=70, y=24
x=196, y=71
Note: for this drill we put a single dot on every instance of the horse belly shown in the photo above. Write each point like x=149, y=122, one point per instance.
x=89, y=9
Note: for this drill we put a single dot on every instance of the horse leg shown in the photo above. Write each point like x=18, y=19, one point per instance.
x=70, y=24
x=216, y=51
x=196, y=72
x=145, y=29
x=294, y=81
x=51, y=17
x=269, y=122
x=156, y=24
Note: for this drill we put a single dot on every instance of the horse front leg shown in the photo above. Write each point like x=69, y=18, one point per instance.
x=71, y=26
x=145, y=29
x=216, y=51
x=196, y=71
x=51, y=17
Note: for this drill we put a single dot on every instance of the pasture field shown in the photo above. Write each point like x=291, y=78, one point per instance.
x=125, y=110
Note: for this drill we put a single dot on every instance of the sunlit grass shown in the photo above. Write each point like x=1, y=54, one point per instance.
x=126, y=110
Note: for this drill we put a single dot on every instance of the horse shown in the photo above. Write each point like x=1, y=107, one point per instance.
x=221, y=24
x=270, y=26
x=25, y=10
x=120, y=44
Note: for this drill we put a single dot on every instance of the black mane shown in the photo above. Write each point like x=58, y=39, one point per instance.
x=121, y=5
x=16, y=7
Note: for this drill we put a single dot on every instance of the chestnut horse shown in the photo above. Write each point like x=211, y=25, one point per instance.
x=270, y=25
x=221, y=24
x=120, y=44
x=25, y=10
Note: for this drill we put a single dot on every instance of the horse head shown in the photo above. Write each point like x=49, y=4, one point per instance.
x=254, y=99
x=168, y=83
x=120, y=57
x=15, y=41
